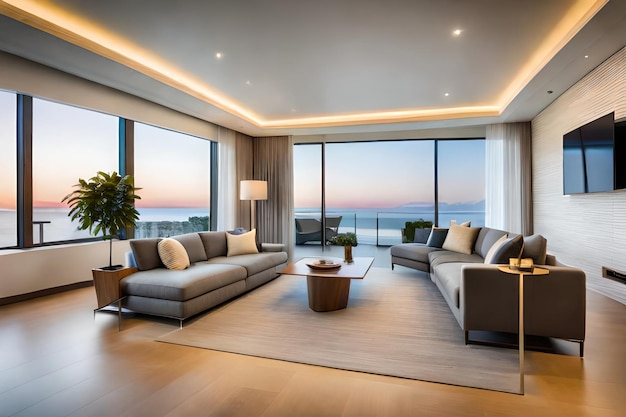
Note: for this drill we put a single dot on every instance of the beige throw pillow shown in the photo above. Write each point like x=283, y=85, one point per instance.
x=241, y=244
x=461, y=239
x=173, y=254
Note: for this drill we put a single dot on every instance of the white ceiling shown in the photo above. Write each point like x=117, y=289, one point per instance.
x=325, y=66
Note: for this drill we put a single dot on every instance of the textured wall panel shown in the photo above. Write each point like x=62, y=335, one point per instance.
x=589, y=230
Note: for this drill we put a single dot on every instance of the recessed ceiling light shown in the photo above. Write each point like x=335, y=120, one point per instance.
x=219, y=55
x=586, y=56
x=446, y=94
x=457, y=32
x=248, y=82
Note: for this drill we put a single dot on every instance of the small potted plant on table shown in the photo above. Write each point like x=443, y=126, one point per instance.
x=347, y=240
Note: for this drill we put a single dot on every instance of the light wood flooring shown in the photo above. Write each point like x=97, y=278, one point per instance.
x=56, y=359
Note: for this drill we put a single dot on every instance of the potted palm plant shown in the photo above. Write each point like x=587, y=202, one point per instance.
x=104, y=203
x=347, y=240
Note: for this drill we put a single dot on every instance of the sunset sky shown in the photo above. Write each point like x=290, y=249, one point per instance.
x=388, y=174
x=71, y=143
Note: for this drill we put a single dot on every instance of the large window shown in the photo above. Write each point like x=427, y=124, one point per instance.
x=8, y=181
x=173, y=171
x=461, y=181
x=378, y=186
x=68, y=143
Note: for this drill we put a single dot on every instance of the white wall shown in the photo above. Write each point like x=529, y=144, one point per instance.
x=589, y=230
x=27, y=77
x=26, y=271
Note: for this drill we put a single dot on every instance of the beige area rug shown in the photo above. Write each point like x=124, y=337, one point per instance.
x=396, y=324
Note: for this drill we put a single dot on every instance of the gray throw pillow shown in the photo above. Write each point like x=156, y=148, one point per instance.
x=437, y=237
x=146, y=253
x=535, y=247
x=509, y=248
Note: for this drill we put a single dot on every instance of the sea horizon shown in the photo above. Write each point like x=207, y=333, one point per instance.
x=372, y=225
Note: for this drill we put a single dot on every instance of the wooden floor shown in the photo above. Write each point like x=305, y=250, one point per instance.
x=56, y=359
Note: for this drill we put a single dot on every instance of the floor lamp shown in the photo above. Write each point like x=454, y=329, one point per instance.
x=252, y=190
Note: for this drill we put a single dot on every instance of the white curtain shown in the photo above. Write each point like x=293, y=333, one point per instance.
x=508, y=174
x=227, y=180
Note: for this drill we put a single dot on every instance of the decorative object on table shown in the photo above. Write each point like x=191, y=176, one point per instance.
x=324, y=264
x=252, y=190
x=104, y=203
x=347, y=240
x=523, y=264
x=416, y=231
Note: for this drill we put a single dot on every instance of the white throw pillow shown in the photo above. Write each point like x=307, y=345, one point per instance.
x=242, y=244
x=461, y=239
x=494, y=248
x=173, y=254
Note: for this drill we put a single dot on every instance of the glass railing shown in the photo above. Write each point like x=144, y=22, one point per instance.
x=384, y=228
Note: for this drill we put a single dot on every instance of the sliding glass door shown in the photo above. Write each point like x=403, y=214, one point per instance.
x=375, y=187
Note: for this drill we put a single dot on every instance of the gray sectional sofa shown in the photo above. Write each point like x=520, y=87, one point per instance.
x=483, y=298
x=211, y=278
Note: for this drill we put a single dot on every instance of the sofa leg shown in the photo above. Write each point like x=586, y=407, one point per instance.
x=392, y=266
x=581, y=346
x=466, y=337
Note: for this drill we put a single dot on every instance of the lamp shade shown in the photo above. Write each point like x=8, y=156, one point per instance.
x=253, y=190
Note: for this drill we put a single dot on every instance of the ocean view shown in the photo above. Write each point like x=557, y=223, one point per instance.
x=61, y=227
x=372, y=226
x=383, y=226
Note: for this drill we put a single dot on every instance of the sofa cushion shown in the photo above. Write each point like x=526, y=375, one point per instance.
x=461, y=239
x=168, y=284
x=193, y=245
x=414, y=251
x=214, y=243
x=535, y=247
x=448, y=276
x=146, y=253
x=254, y=263
x=510, y=247
x=486, y=238
x=444, y=256
x=437, y=237
x=173, y=254
x=242, y=244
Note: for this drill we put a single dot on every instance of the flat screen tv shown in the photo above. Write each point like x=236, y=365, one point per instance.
x=589, y=157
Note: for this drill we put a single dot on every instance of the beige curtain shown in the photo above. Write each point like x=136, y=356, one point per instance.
x=273, y=162
x=508, y=175
x=235, y=164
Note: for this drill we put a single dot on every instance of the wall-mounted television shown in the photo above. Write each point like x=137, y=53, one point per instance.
x=593, y=155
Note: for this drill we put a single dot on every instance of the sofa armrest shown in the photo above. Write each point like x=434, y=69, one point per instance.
x=272, y=247
x=555, y=304
x=488, y=299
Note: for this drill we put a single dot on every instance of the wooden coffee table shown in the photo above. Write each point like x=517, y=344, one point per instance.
x=329, y=290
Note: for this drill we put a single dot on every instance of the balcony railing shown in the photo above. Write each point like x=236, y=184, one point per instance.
x=384, y=228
